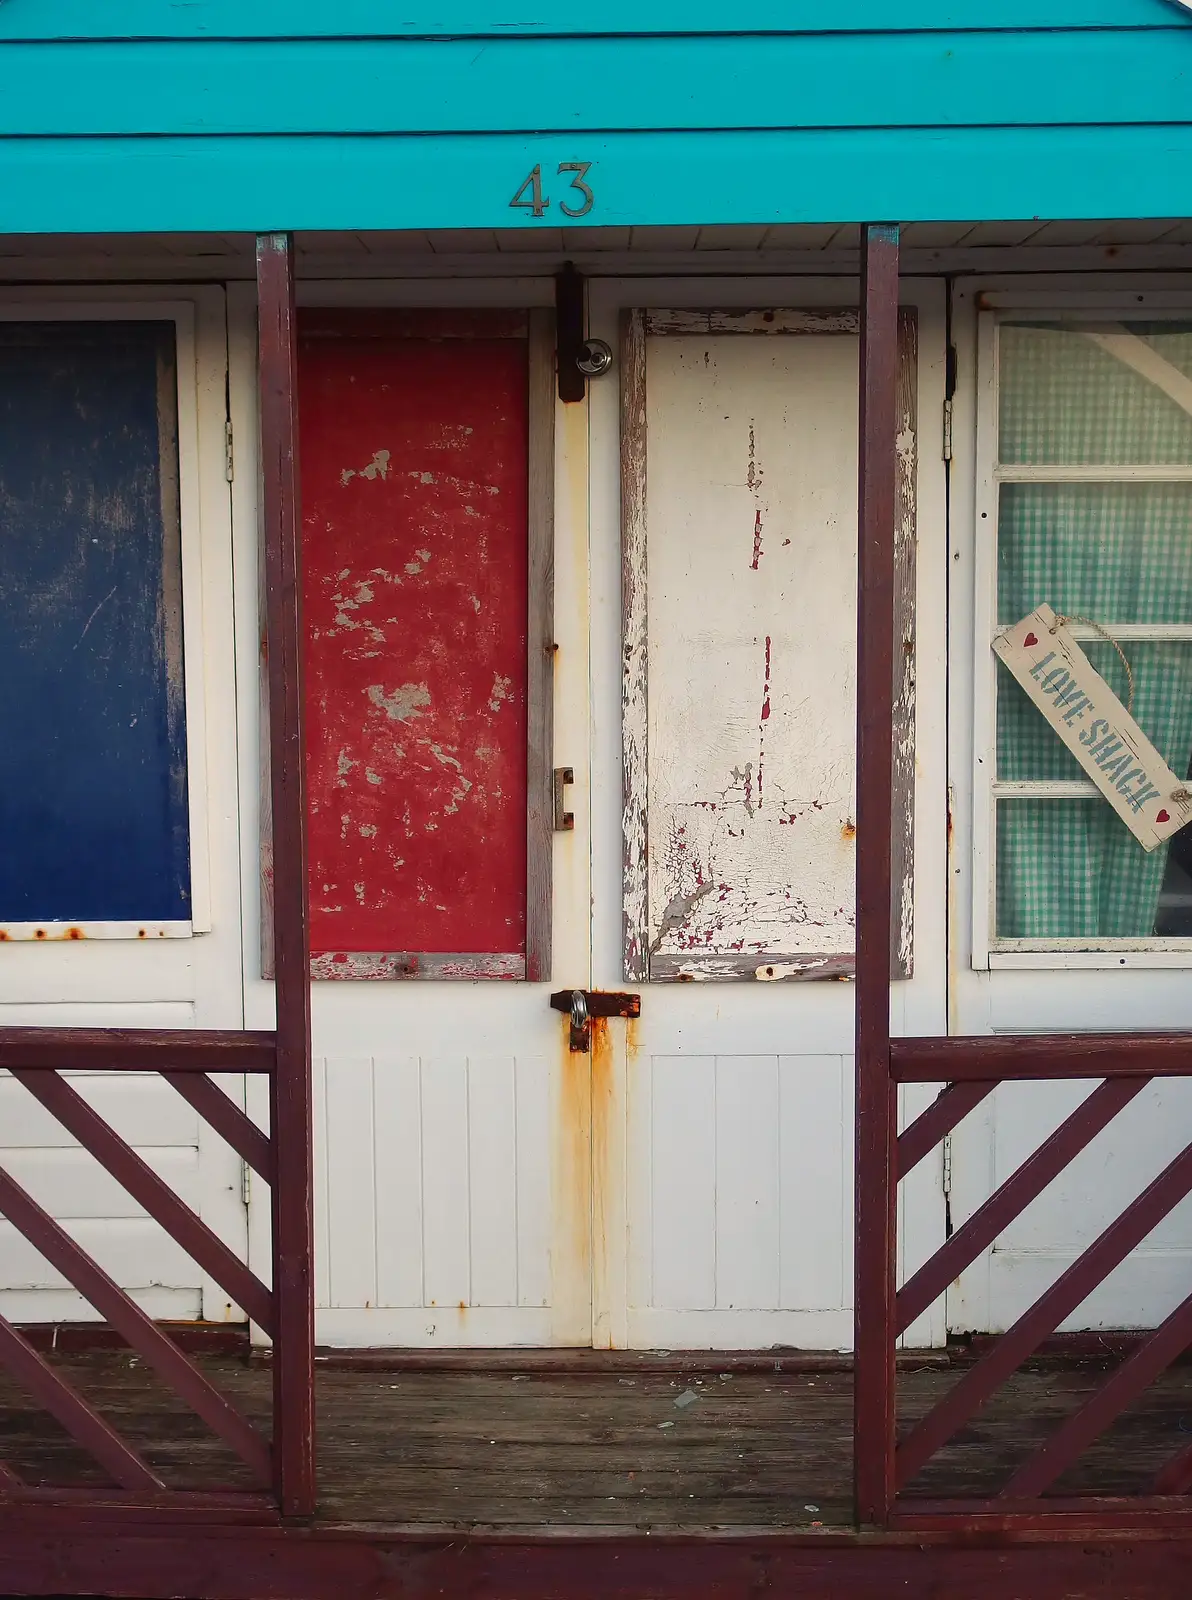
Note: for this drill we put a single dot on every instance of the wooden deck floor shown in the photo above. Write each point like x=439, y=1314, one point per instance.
x=633, y=1443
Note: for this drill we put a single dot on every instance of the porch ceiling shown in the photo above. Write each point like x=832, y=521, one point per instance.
x=1147, y=244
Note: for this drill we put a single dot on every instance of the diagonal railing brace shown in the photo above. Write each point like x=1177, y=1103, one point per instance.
x=1069, y=1290
x=51, y=1390
x=1011, y=1198
x=158, y=1199
x=145, y=1337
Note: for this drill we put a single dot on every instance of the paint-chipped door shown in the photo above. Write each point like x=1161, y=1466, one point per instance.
x=452, y=1125
x=736, y=444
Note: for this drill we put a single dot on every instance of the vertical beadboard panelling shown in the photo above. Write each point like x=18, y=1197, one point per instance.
x=351, y=1196
x=446, y=1243
x=492, y=1171
x=848, y=1122
x=684, y=1182
x=639, y=1155
x=813, y=1170
x=397, y=1155
x=432, y=1182
x=531, y=1087
x=322, y=1235
x=748, y=1182
x=745, y=1165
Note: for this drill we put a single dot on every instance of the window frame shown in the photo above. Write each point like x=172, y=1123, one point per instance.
x=42, y=306
x=989, y=951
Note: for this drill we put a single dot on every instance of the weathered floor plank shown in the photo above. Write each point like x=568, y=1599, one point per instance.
x=636, y=1448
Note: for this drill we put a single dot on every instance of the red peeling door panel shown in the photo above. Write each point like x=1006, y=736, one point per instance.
x=414, y=493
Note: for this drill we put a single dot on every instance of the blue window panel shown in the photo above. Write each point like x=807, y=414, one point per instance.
x=93, y=793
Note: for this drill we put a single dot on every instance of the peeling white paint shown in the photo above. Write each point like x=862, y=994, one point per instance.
x=378, y=467
x=403, y=704
x=501, y=690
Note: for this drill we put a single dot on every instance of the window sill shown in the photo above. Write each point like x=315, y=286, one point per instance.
x=70, y=932
x=1084, y=955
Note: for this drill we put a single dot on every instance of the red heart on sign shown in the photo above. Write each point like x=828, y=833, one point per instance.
x=1029, y=641
x=1163, y=817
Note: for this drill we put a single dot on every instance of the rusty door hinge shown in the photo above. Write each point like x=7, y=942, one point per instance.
x=584, y=1004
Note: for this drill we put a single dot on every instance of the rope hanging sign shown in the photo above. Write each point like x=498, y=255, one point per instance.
x=1095, y=726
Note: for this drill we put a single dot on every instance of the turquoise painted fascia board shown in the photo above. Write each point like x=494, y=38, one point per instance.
x=543, y=85
x=467, y=181
x=190, y=19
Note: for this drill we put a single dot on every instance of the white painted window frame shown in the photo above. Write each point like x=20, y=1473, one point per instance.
x=48, y=306
x=988, y=951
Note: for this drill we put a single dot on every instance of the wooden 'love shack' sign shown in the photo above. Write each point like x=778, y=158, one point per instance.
x=1096, y=727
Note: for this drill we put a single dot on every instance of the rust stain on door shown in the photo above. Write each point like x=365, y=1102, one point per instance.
x=571, y=1195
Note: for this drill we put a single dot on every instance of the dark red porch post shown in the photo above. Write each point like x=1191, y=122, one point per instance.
x=873, y=1419
x=293, y=1355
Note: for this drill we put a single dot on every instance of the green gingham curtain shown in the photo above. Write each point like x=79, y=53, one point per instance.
x=1114, y=552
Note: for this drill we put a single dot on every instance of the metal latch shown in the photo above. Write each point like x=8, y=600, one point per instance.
x=584, y=1004
x=563, y=779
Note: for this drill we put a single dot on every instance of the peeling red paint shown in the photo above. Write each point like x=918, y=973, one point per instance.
x=414, y=453
x=757, y=539
x=753, y=479
x=764, y=718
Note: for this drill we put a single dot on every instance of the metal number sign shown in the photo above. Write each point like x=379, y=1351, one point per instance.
x=530, y=197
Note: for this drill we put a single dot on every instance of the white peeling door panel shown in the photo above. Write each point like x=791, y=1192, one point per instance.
x=751, y=508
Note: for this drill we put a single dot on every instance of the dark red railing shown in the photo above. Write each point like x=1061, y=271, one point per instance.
x=36, y=1058
x=1126, y=1064
x=280, y=1467
x=969, y=1069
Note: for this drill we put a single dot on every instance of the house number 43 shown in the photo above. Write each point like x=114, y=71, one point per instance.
x=531, y=198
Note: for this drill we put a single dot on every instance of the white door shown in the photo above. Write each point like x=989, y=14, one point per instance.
x=1071, y=483
x=724, y=1177
x=121, y=906
x=452, y=1122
